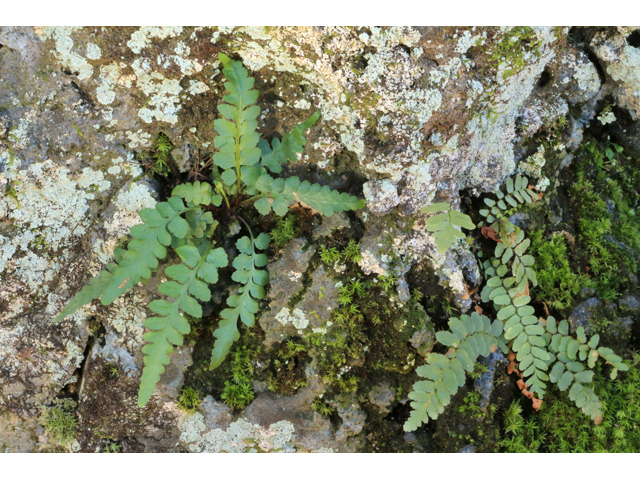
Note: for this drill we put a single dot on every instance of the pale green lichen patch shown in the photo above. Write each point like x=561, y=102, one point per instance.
x=53, y=204
x=240, y=437
x=297, y=318
x=145, y=36
x=64, y=46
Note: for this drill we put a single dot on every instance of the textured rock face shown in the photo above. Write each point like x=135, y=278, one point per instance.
x=409, y=116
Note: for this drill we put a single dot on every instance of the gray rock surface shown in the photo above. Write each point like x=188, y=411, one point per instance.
x=584, y=313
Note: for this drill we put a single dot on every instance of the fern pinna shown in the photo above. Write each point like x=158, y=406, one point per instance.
x=543, y=348
x=185, y=223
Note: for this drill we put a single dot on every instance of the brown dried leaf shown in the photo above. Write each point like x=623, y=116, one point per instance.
x=537, y=403
x=488, y=232
x=469, y=292
x=546, y=309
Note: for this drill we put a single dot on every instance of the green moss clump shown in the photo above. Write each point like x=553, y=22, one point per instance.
x=283, y=231
x=288, y=368
x=557, y=283
x=238, y=393
x=322, y=407
x=512, y=48
x=607, y=230
x=560, y=427
x=189, y=399
x=60, y=421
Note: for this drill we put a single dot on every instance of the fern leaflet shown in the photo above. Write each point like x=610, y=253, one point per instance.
x=292, y=144
x=237, y=137
x=470, y=337
x=443, y=225
x=278, y=194
x=192, y=278
x=243, y=306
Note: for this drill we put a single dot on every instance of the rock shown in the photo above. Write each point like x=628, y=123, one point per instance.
x=405, y=121
x=622, y=62
x=285, y=278
x=352, y=416
x=586, y=311
x=18, y=433
x=587, y=292
x=630, y=301
x=382, y=396
x=338, y=221
x=484, y=385
x=424, y=339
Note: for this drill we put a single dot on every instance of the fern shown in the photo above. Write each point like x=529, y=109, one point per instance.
x=518, y=192
x=192, y=279
x=240, y=174
x=141, y=258
x=278, y=194
x=470, y=337
x=243, y=306
x=274, y=156
x=443, y=225
x=544, y=350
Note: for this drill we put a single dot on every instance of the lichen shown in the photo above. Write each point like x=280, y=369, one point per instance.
x=297, y=318
x=240, y=437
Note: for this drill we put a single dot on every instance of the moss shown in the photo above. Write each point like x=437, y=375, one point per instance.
x=558, y=284
x=371, y=328
x=606, y=197
x=322, y=407
x=560, y=427
x=512, y=49
x=283, y=231
x=287, y=367
x=238, y=393
x=189, y=399
x=60, y=421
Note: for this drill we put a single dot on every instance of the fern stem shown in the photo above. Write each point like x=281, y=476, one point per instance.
x=248, y=228
x=255, y=197
x=220, y=188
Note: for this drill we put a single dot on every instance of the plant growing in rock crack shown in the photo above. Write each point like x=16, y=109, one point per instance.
x=540, y=350
x=186, y=223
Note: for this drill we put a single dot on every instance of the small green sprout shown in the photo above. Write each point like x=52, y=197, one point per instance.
x=284, y=231
x=352, y=252
x=329, y=256
x=513, y=421
x=322, y=407
x=189, y=399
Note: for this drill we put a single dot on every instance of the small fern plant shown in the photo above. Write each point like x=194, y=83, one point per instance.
x=543, y=349
x=443, y=225
x=186, y=223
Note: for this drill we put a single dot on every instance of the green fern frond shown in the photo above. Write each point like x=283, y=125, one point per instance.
x=510, y=298
x=518, y=192
x=278, y=194
x=192, y=279
x=274, y=156
x=197, y=193
x=443, y=225
x=88, y=293
x=148, y=245
x=141, y=257
x=243, y=306
x=468, y=338
x=237, y=138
